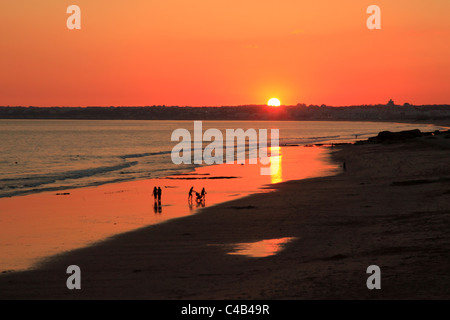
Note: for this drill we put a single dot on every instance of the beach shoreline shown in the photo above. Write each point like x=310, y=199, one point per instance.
x=389, y=208
x=77, y=167
x=41, y=225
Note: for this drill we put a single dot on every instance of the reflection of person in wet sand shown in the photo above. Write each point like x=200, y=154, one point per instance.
x=200, y=200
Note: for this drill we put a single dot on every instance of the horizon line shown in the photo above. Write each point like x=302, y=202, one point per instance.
x=225, y=106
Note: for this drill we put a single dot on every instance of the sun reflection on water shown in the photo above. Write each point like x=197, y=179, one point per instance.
x=275, y=165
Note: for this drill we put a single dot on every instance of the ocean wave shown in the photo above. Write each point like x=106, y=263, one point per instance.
x=39, y=180
x=39, y=183
x=311, y=138
x=58, y=188
x=141, y=155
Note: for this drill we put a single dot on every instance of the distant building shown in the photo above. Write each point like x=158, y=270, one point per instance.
x=391, y=103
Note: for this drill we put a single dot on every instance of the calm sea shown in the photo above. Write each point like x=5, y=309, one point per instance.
x=49, y=155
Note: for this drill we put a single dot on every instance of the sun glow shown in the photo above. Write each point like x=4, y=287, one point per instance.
x=274, y=102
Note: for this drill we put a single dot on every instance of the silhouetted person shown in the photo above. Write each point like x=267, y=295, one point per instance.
x=203, y=194
x=155, y=207
x=159, y=194
x=190, y=194
x=199, y=197
x=155, y=193
x=344, y=166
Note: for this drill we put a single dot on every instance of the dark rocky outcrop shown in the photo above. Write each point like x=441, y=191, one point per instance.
x=386, y=136
x=403, y=136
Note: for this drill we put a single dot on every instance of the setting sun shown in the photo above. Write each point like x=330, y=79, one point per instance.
x=274, y=102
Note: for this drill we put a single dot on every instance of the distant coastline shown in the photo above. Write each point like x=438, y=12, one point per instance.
x=299, y=112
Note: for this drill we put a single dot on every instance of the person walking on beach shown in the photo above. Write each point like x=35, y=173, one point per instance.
x=159, y=194
x=155, y=193
x=190, y=194
x=203, y=194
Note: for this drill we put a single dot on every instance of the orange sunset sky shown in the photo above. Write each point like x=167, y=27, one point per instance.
x=223, y=52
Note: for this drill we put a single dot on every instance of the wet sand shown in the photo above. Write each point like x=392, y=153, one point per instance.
x=38, y=226
x=390, y=208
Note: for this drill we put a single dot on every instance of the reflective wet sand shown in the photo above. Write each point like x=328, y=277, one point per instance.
x=36, y=226
x=261, y=249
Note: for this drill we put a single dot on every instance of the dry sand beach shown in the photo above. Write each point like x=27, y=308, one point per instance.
x=391, y=208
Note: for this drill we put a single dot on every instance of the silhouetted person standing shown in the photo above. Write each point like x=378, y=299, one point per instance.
x=190, y=194
x=159, y=194
x=155, y=193
x=203, y=194
x=344, y=166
